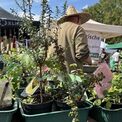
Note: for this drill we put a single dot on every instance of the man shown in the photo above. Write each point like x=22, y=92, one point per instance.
x=115, y=59
x=72, y=38
x=115, y=56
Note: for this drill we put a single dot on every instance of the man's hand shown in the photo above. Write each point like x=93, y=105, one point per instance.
x=88, y=60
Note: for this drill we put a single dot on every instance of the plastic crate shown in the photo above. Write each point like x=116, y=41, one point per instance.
x=57, y=116
x=6, y=115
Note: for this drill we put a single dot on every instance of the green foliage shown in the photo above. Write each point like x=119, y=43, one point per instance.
x=107, y=12
x=59, y=12
x=40, y=41
x=13, y=70
x=120, y=62
x=112, y=95
x=117, y=88
x=19, y=67
x=64, y=8
x=74, y=86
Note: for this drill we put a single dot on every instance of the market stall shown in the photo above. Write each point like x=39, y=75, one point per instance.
x=96, y=32
x=9, y=24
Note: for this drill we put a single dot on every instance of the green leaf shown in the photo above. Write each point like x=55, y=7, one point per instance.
x=97, y=102
x=108, y=105
x=75, y=78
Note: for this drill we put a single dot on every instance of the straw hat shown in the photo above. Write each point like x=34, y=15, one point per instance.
x=71, y=11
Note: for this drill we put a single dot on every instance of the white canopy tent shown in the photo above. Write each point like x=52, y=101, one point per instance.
x=106, y=31
x=96, y=32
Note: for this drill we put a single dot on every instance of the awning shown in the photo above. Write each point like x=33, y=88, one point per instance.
x=115, y=46
x=105, y=30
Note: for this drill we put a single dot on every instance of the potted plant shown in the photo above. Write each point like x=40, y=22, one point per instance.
x=15, y=64
x=40, y=40
x=108, y=102
x=7, y=105
x=18, y=68
x=77, y=84
x=9, y=79
x=68, y=91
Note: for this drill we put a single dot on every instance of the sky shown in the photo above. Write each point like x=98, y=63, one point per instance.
x=78, y=4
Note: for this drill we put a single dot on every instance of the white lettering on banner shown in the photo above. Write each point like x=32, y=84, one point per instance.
x=8, y=23
x=94, y=41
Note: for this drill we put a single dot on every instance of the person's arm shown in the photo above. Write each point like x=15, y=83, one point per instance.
x=81, y=46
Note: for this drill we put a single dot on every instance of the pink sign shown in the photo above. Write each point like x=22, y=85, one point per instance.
x=105, y=84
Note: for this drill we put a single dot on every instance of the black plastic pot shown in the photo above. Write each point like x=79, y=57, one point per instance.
x=117, y=106
x=6, y=108
x=63, y=106
x=60, y=105
x=37, y=108
x=82, y=104
x=17, y=117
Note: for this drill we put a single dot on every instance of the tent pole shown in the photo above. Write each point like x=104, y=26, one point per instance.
x=104, y=40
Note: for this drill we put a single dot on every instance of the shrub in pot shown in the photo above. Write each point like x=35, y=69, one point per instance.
x=108, y=102
x=70, y=92
x=39, y=97
x=37, y=90
x=7, y=105
x=15, y=64
x=19, y=67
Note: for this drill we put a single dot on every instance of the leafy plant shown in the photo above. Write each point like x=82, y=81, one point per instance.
x=120, y=62
x=40, y=39
x=116, y=89
x=18, y=68
x=72, y=88
x=113, y=95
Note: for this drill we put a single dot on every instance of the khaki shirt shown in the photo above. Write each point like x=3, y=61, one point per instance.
x=73, y=40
